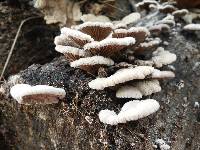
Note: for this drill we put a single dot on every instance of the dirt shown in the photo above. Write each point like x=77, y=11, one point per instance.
x=35, y=39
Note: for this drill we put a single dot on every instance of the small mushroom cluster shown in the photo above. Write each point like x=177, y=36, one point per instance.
x=130, y=58
x=173, y=13
x=126, y=59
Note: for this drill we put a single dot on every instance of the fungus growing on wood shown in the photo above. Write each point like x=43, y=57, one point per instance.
x=121, y=76
x=146, y=47
x=39, y=94
x=139, y=33
x=96, y=49
x=145, y=4
x=76, y=36
x=162, y=57
x=180, y=13
x=192, y=27
x=92, y=64
x=139, y=89
x=158, y=29
x=71, y=53
x=169, y=20
x=167, y=8
x=131, y=18
x=132, y=110
x=109, y=46
x=84, y=42
x=97, y=30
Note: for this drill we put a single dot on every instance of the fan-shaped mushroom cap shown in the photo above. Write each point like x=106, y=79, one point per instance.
x=132, y=110
x=148, y=87
x=131, y=18
x=94, y=60
x=157, y=74
x=192, y=27
x=121, y=76
x=128, y=92
x=180, y=13
x=91, y=64
x=145, y=4
x=147, y=46
x=71, y=53
x=109, y=46
x=64, y=40
x=169, y=20
x=167, y=9
x=162, y=57
x=76, y=36
x=97, y=30
x=139, y=33
x=41, y=94
x=93, y=18
x=139, y=89
x=159, y=28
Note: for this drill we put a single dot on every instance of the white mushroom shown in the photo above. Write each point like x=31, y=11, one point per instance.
x=162, y=57
x=97, y=30
x=128, y=91
x=69, y=50
x=132, y=110
x=39, y=94
x=192, y=27
x=109, y=46
x=139, y=89
x=76, y=36
x=157, y=74
x=121, y=76
x=93, y=18
x=94, y=60
x=131, y=18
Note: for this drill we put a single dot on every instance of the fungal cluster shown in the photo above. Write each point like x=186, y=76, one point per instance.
x=173, y=15
x=126, y=56
x=127, y=60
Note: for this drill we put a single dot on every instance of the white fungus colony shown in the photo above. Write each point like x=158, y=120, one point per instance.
x=39, y=94
x=132, y=110
x=100, y=43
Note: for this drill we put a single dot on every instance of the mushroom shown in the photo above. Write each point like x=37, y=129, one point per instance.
x=131, y=18
x=76, y=36
x=109, y=46
x=150, y=46
x=92, y=64
x=121, y=76
x=71, y=53
x=157, y=74
x=145, y=4
x=139, y=89
x=159, y=28
x=167, y=8
x=162, y=57
x=180, y=13
x=193, y=28
x=139, y=33
x=97, y=30
x=169, y=20
x=39, y=94
x=132, y=110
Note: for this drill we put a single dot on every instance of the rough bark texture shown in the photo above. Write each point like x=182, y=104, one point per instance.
x=73, y=123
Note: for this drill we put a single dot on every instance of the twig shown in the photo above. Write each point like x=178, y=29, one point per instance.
x=14, y=43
